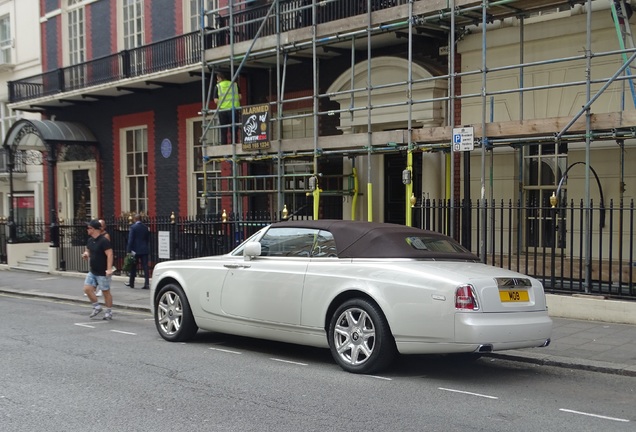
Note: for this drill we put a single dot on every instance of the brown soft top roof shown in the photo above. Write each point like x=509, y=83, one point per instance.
x=359, y=239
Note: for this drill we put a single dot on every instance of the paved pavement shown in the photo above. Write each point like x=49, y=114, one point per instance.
x=577, y=344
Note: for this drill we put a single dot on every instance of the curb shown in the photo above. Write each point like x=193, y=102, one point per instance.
x=565, y=362
x=72, y=299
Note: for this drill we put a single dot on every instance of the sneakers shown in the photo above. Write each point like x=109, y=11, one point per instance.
x=96, y=311
x=108, y=316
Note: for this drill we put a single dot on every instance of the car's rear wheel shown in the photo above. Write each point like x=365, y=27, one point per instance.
x=359, y=337
x=173, y=316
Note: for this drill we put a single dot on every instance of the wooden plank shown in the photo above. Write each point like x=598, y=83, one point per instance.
x=437, y=135
x=533, y=128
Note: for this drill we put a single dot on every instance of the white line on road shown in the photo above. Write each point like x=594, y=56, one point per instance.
x=594, y=415
x=123, y=332
x=46, y=278
x=467, y=393
x=379, y=377
x=84, y=325
x=224, y=350
x=288, y=361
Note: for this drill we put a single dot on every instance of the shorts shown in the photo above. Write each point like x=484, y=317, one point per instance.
x=103, y=282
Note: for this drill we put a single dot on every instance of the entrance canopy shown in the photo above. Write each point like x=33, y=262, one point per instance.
x=35, y=134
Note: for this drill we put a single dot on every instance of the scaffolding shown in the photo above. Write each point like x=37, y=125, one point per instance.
x=275, y=35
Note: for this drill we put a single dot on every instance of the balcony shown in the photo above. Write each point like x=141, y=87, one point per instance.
x=105, y=72
x=173, y=61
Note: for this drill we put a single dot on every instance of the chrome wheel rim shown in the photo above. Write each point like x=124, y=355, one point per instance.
x=170, y=313
x=354, y=336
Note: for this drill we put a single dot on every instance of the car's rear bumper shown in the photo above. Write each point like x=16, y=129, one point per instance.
x=503, y=330
x=497, y=331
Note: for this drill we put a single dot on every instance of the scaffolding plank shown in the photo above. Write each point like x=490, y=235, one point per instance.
x=533, y=128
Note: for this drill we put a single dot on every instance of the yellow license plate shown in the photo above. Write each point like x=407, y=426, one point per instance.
x=514, y=296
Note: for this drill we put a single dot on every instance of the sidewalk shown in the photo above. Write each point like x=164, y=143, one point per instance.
x=577, y=344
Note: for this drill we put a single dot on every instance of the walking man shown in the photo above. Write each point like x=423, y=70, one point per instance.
x=100, y=255
x=227, y=97
x=138, y=238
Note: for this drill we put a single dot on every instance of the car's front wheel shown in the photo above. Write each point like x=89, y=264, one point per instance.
x=359, y=337
x=173, y=316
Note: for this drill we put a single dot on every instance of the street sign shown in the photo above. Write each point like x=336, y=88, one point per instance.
x=463, y=139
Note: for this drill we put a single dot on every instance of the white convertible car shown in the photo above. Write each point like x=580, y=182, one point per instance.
x=365, y=290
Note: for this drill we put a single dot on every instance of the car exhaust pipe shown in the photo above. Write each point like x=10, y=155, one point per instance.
x=484, y=348
x=546, y=343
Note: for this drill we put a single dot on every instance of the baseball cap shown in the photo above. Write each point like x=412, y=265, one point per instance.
x=95, y=224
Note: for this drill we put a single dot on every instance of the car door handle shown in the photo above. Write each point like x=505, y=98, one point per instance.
x=234, y=266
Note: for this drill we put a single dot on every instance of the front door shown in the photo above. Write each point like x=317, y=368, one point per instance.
x=395, y=190
x=81, y=195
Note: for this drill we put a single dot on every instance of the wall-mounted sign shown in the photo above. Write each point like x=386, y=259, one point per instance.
x=463, y=139
x=164, y=244
x=166, y=148
x=255, y=120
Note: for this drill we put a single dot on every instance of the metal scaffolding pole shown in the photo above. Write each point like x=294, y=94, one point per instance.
x=280, y=92
x=484, y=66
x=369, y=138
x=588, y=93
x=451, y=110
x=315, y=105
x=409, y=154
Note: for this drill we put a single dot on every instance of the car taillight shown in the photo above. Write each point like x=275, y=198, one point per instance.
x=465, y=298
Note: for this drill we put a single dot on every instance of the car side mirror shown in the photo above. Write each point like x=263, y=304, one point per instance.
x=251, y=250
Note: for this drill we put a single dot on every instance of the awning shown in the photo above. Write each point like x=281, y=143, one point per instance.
x=32, y=134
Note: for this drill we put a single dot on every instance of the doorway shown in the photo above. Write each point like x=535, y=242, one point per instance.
x=395, y=190
x=81, y=195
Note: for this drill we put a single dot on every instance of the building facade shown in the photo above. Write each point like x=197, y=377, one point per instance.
x=20, y=57
x=363, y=98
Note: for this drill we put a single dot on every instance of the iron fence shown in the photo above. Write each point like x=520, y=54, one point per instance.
x=570, y=248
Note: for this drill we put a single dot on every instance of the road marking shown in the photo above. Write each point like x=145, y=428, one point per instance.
x=123, y=332
x=84, y=325
x=224, y=350
x=288, y=361
x=467, y=393
x=595, y=415
x=46, y=278
x=379, y=377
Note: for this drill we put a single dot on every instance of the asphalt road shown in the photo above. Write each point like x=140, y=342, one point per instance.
x=62, y=371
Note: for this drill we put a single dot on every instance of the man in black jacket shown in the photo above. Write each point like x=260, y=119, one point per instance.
x=138, y=239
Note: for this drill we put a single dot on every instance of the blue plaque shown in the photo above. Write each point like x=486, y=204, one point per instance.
x=166, y=148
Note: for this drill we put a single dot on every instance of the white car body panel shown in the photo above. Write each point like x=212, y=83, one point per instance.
x=289, y=299
x=267, y=300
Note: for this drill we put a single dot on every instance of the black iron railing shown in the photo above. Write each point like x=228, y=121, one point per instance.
x=567, y=256
x=570, y=248
x=168, y=54
x=185, y=50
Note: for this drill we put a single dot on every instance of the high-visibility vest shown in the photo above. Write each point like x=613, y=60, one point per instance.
x=232, y=99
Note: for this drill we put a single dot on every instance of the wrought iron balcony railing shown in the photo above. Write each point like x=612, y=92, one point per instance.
x=186, y=50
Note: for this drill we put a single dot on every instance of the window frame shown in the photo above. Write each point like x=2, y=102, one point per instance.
x=195, y=189
x=6, y=40
x=126, y=195
x=541, y=221
x=191, y=18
